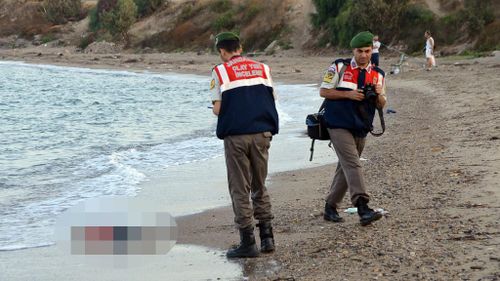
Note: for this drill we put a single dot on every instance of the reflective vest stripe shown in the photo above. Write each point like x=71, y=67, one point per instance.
x=257, y=74
x=222, y=74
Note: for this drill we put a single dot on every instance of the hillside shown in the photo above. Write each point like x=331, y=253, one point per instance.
x=191, y=25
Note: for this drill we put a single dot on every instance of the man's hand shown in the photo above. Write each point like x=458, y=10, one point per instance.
x=216, y=108
x=378, y=89
x=355, y=95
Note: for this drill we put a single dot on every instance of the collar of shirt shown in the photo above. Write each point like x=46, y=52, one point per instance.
x=354, y=65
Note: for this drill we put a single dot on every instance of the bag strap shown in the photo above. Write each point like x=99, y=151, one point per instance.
x=312, y=150
x=382, y=123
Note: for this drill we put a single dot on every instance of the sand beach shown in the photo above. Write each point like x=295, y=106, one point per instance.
x=435, y=171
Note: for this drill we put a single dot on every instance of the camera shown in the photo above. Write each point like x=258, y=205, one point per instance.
x=369, y=92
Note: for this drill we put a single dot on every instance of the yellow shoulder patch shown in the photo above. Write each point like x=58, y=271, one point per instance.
x=328, y=78
x=212, y=84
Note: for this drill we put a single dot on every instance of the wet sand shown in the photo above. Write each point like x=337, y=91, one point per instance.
x=435, y=171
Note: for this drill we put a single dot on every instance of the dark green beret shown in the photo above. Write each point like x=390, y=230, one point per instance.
x=226, y=36
x=362, y=39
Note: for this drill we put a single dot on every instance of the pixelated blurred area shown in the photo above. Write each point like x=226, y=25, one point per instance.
x=116, y=230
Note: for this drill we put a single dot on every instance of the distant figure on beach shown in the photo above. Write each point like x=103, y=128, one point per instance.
x=429, y=50
x=375, y=53
x=349, y=115
x=244, y=101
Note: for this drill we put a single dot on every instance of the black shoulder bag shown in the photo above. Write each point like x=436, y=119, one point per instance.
x=316, y=124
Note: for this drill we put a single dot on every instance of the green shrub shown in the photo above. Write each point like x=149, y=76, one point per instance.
x=106, y=6
x=60, y=11
x=47, y=38
x=489, y=39
x=224, y=22
x=250, y=12
x=326, y=9
x=220, y=6
x=391, y=19
x=416, y=20
x=147, y=7
x=121, y=18
x=112, y=17
x=94, y=24
x=86, y=40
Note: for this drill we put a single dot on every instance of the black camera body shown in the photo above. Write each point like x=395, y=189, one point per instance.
x=369, y=92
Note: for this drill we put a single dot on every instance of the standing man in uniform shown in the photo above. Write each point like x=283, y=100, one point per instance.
x=349, y=115
x=429, y=50
x=244, y=101
x=375, y=53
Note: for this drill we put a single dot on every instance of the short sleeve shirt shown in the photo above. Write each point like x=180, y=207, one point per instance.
x=376, y=46
x=331, y=77
x=215, y=92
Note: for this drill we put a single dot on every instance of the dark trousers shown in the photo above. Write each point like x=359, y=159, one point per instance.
x=246, y=161
x=374, y=58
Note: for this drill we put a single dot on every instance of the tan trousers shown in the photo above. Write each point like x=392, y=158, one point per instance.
x=349, y=174
x=246, y=161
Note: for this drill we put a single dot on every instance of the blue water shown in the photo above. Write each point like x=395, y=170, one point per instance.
x=73, y=133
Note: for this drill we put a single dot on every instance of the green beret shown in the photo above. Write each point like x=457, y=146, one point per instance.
x=362, y=39
x=226, y=36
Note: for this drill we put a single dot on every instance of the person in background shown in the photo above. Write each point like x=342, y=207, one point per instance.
x=349, y=116
x=429, y=50
x=375, y=51
x=243, y=98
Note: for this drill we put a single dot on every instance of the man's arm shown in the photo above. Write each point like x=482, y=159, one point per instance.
x=334, y=94
x=328, y=86
x=215, y=93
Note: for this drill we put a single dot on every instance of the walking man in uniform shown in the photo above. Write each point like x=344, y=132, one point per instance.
x=349, y=116
x=244, y=101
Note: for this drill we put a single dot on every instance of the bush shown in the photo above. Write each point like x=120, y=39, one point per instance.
x=416, y=19
x=106, y=6
x=120, y=19
x=86, y=40
x=326, y=9
x=60, y=11
x=111, y=18
x=250, y=12
x=220, y=6
x=147, y=7
x=224, y=22
x=94, y=24
x=391, y=19
x=48, y=38
x=489, y=39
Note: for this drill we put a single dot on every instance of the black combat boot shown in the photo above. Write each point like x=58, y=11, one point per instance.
x=247, y=247
x=266, y=237
x=331, y=214
x=366, y=215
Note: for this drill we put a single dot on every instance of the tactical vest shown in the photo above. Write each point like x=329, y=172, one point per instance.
x=346, y=113
x=247, y=105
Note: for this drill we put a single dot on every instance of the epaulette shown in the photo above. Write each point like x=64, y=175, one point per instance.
x=343, y=61
x=379, y=70
x=216, y=66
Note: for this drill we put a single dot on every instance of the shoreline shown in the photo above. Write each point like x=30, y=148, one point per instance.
x=435, y=171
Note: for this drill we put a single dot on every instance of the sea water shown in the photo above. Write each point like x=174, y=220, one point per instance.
x=69, y=133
